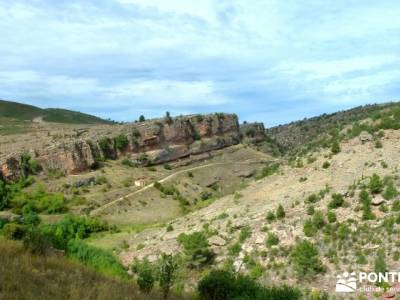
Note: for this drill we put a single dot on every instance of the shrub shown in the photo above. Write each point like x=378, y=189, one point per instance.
x=142, y=118
x=272, y=240
x=269, y=170
x=245, y=233
x=225, y=285
x=390, y=191
x=4, y=194
x=396, y=205
x=235, y=249
x=280, y=212
x=378, y=144
x=331, y=216
x=335, y=147
x=380, y=263
x=337, y=201
x=13, y=231
x=326, y=165
x=36, y=242
x=306, y=259
x=318, y=220
x=72, y=227
x=196, y=248
x=145, y=276
x=310, y=210
x=375, y=184
x=167, y=270
x=312, y=198
x=270, y=216
x=129, y=163
x=365, y=201
x=99, y=259
x=309, y=228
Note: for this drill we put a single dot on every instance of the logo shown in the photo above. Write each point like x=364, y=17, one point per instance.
x=346, y=283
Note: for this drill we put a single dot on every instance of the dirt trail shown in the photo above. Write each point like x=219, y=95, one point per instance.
x=101, y=208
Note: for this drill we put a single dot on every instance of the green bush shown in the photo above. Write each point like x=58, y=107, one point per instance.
x=335, y=147
x=167, y=273
x=225, y=285
x=13, y=231
x=305, y=259
x=326, y=165
x=390, y=191
x=72, y=227
x=4, y=194
x=375, y=184
x=196, y=248
x=129, y=163
x=272, y=240
x=121, y=142
x=331, y=216
x=318, y=219
x=99, y=259
x=280, y=212
x=270, y=216
x=39, y=201
x=309, y=228
x=145, y=275
x=366, y=201
x=269, y=170
x=337, y=201
x=245, y=233
x=36, y=242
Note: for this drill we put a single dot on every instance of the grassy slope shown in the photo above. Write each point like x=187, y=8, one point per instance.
x=19, y=111
x=26, y=276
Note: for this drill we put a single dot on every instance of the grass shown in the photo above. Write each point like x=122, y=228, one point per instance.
x=27, y=276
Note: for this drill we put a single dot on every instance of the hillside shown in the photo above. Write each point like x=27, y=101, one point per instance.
x=28, y=276
x=297, y=135
x=24, y=112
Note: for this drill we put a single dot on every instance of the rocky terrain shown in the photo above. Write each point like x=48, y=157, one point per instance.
x=150, y=142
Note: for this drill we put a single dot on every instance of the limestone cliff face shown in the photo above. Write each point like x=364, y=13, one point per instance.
x=151, y=142
x=252, y=133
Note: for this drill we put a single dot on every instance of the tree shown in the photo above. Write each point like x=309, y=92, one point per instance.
x=168, y=118
x=305, y=258
x=337, y=201
x=4, y=194
x=166, y=274
x=196, y=248
x=380, y=263
x=309, y=229
x=365, y=201
x=145, y=277
x=375, y=184
x=142, y=118
x=280, y=212
x=121, y=142
x=335, y=147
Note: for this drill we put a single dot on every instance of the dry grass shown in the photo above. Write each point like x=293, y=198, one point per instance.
x=26, y=276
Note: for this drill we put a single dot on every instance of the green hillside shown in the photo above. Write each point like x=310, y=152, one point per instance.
x=24, y=112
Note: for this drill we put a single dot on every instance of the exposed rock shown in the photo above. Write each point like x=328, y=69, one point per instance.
x=365, y=137
x=260, y=239
x=378, y=200
x=151, y=142
x=252, y=133
x=246, y=173
x=9, y=216
x=85, y=182
x=216, y=241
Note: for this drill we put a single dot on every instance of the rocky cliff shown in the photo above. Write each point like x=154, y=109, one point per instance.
x=152, y=142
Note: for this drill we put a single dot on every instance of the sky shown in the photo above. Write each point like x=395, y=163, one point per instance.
x=272, y=61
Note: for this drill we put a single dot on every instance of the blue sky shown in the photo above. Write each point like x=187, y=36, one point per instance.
x=273, y=61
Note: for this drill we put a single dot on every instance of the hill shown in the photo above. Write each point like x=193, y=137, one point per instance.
x=27, y=276
x=24, y=112
x=296, y=135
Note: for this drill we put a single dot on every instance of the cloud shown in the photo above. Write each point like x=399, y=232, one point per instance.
x=272, y=60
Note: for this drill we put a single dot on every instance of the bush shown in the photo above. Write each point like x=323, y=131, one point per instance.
x=39, y=201
x=196, y=248
x=36, y=242
x=318, y=220
x=13, y=231
x=331, y=217
x=225, y=285
x=269, y=170
x=272, y=240
x=72, y=227
x=390, y=191
x=309, y=228
x=99, y=259
x=166, y=273
x=335, y=147
x=145, y=275
x=280, y=212
x=4, y=194
x=121, y=142
x=270, y=216
x=375, y=184
x=129, y=163
x=245, y=233
x=337, y=201
x=306, y=259
x=365, y=201
x=326, y=165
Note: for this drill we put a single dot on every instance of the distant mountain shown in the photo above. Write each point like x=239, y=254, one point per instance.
x=25, y=112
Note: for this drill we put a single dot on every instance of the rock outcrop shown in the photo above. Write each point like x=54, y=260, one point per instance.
x=152, y=142
x=252, y=133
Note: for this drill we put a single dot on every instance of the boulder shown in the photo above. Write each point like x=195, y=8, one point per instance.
x=378, y=200
x=216, y=241
x=365, y=137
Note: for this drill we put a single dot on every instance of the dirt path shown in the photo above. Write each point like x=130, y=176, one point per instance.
x=101, y=208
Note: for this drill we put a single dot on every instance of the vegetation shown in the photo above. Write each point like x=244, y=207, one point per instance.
x=306, y=261
x=336, y=202
x=196, y=248
x=121, y=142
x=225, y=285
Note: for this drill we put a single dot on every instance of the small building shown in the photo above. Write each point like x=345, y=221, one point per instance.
x=141, y=181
